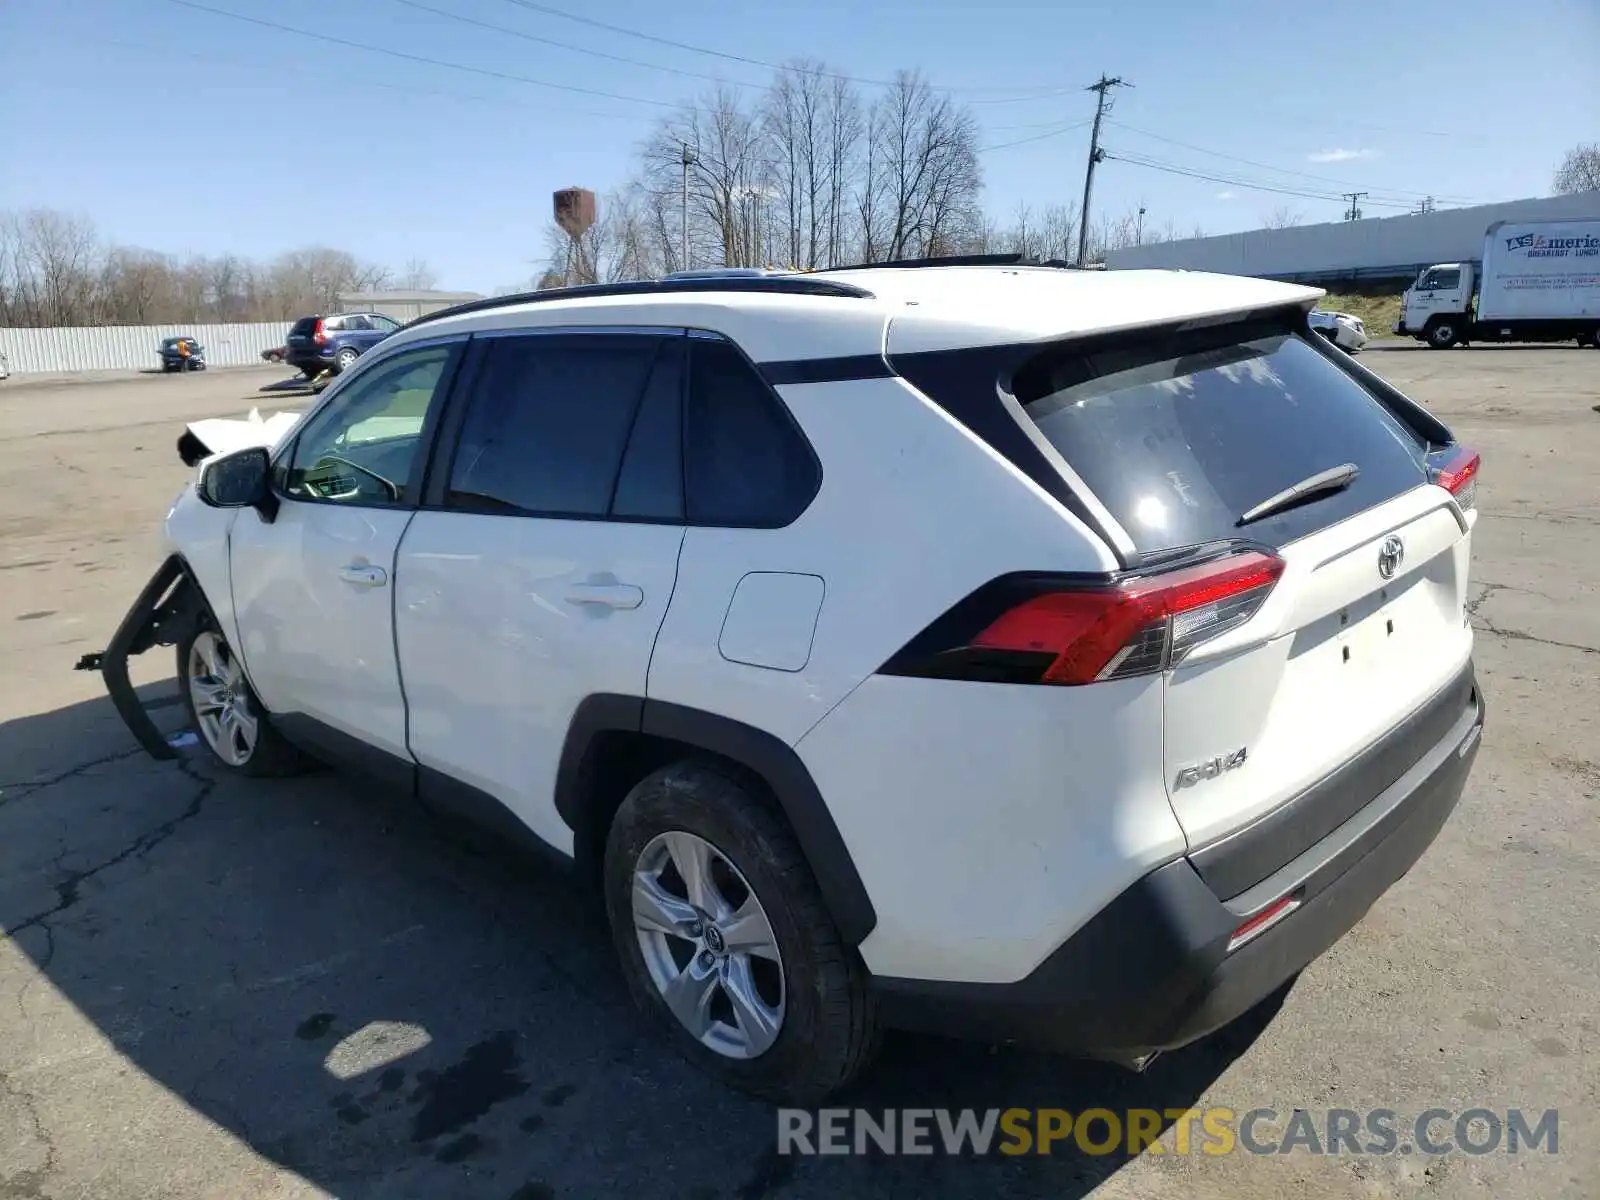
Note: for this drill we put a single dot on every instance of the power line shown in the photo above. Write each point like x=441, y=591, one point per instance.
x=1038, y=137
x=1232, y=181
x=1266, y=166
x=300, y=68
x=547, y=10
x=618, y=58
x=418, y=58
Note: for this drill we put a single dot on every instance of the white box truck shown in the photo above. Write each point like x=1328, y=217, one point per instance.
x=1538, y=281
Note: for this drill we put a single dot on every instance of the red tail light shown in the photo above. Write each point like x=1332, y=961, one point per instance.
x=1456, y=470
x=1066, y=634
x=319, y=335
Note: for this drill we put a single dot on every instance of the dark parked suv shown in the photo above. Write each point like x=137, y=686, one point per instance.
x=319, y=343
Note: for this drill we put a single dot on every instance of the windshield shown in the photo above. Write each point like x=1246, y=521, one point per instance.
x=1179, y=442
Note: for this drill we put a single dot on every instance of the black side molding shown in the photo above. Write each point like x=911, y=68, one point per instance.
x=759, y=752
x=826, y=370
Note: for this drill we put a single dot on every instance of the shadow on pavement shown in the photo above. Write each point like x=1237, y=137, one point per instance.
x=370, y=999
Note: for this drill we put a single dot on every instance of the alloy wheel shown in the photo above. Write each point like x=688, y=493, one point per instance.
x=708, y=945
x=221, y=700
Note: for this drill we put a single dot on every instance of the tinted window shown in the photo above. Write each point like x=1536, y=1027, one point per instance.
x=547, y=423
x=745, y=462
x=1178, y=440
x=361, y=448
x=650, y=485
x=304, y=327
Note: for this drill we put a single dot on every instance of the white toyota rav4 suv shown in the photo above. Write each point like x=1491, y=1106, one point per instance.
x=1031, y=654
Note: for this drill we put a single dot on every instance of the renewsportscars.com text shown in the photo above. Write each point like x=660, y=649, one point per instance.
x=1211, y=1131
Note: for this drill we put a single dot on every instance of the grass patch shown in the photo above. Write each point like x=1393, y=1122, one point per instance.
x=1378, y=313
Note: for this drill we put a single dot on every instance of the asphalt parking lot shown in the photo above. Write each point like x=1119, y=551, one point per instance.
x=218, y=989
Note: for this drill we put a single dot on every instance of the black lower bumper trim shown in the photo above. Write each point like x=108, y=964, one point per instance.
x=165, y=609
x=1152, y=971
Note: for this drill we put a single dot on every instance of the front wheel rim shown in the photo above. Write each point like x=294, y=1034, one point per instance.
x=221, y=700
x=708, y=945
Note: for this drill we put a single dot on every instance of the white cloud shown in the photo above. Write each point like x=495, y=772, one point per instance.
x=1224, y=195
x=1339, y=155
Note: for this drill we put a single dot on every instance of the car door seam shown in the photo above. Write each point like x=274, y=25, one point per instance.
x=394, y=633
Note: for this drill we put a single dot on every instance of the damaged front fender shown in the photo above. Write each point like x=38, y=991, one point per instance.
x=168, y=609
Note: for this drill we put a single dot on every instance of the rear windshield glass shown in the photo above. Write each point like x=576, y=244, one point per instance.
x=303, y=325
x=1180, y=440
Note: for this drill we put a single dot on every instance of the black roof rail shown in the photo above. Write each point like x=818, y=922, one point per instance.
x=792, y=285
x=960, y=260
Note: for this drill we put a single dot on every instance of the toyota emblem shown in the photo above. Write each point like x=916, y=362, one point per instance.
x=1390, y=555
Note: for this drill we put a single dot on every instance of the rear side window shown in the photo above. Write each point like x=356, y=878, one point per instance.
x=547, y=423
x=1180, y=437
x=746, y=463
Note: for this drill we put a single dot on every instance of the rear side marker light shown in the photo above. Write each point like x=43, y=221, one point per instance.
x=1073, y=634
x=1456, y=471
x=1264, y=920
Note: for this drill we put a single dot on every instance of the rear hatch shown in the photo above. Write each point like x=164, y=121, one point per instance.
x=302, y=336
x=1195, y=443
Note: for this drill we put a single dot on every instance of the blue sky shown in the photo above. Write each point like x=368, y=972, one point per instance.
x=185, y=131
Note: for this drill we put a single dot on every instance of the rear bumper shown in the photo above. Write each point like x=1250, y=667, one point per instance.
x=1152, y=970
x=318, y=358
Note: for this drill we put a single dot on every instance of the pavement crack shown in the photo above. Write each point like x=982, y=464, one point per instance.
x=30, y=1107
x=67, y=890
x=27, y=787
x=1518, y=635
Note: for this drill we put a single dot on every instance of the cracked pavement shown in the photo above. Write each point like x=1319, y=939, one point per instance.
x=217, y=988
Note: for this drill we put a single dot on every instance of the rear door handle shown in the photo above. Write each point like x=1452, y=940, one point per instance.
x=363, y=575
x=611, y=595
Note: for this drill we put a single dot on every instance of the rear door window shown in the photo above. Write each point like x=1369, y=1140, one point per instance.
x=548, y=422
x=1180, y=437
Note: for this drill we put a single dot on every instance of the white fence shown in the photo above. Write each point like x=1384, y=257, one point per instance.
x=131, y=347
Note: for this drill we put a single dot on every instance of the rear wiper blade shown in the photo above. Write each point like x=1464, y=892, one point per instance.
x=1334, y=479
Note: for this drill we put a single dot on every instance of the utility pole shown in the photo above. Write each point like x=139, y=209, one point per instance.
x=1353, y=213
x=1138, y=237
x=1102, y=86
x=683, y=246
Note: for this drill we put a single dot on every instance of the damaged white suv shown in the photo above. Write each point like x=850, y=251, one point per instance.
x=1031, y=654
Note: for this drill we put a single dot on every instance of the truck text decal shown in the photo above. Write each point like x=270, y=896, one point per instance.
x=1538, y=245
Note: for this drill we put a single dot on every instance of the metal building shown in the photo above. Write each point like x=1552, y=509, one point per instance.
x=402, y=306
x=1375, y=248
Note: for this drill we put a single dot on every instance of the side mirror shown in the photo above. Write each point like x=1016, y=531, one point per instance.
x=240, y=480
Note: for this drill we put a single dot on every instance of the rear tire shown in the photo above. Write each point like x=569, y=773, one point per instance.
x=223, y=710
x=815, y=1026
x=345, y=359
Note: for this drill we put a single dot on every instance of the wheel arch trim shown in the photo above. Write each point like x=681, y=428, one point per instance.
x=771, y=759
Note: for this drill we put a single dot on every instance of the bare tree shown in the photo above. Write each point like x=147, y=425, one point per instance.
x=1579, y=170
x=1282, y=217
x=1058, y=231
x=926, y=176
x=417, y=276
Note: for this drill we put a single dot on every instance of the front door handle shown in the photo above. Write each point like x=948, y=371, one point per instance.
x=611, y=595
x=363, y=575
